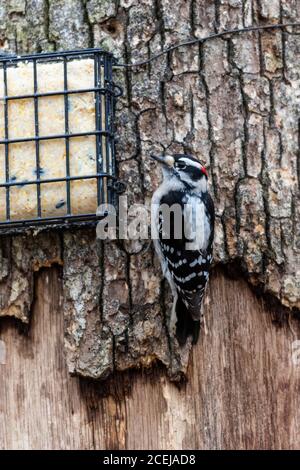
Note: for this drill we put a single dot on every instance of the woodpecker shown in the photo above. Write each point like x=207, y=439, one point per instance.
x=182, y=225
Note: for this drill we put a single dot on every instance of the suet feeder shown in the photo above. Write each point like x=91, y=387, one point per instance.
x=57, y=157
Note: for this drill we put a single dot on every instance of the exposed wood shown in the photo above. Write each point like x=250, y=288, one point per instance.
x=242, y=389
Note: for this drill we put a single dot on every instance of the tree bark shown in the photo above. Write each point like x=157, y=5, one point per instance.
x=234, y=103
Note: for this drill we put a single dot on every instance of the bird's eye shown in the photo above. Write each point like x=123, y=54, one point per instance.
x=180, y=165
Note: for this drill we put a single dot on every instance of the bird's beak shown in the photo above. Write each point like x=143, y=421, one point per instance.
x=166, y=160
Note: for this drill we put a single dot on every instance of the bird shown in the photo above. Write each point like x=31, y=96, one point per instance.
x=182, y=229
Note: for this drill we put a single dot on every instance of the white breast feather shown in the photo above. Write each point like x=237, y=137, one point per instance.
x=197, y=227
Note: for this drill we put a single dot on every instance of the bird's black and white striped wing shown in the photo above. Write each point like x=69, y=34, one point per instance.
x=189, y=268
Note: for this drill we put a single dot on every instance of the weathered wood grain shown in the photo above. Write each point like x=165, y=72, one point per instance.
x=242, y=389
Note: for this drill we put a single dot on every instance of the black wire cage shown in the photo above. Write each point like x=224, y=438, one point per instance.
x=57, y=148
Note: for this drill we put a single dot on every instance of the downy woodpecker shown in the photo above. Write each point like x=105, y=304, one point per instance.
x=182, y=215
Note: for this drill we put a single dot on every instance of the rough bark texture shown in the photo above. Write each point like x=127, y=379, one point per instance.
x=233, y=102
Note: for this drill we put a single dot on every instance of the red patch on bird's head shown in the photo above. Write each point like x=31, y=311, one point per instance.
x=204, y=171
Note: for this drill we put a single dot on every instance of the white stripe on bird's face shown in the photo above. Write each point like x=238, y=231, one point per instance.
x=199, y=186
x=189, y=162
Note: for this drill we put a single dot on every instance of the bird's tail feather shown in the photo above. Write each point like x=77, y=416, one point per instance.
x=185, y=325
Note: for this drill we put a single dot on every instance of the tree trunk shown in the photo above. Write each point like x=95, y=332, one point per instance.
x=233, y=102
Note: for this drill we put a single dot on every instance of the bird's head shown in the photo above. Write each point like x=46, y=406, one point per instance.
x=187, y=169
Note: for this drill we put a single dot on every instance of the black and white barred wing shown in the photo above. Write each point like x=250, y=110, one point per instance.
x=188, y=258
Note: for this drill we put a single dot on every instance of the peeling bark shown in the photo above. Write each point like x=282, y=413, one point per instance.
x=233, y=102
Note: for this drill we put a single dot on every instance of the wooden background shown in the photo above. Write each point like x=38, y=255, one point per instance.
x=242, y=390
x=233, y=102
